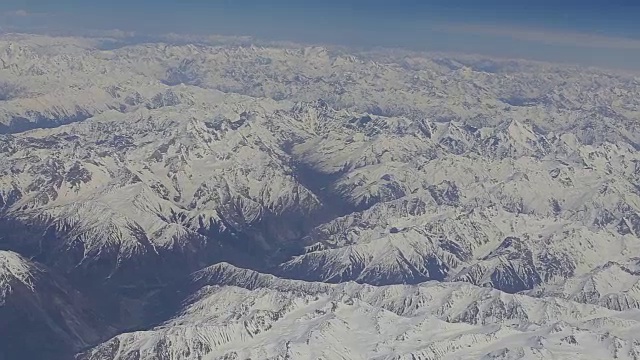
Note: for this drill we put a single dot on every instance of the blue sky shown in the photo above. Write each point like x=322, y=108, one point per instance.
x=603, y=33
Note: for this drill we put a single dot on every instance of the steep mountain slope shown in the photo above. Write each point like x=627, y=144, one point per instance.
x=515, y=185
x=506, y=207
x=153, y=182
x=193, y=191
x=613, y=285
x=41, y=314
x=240, y=314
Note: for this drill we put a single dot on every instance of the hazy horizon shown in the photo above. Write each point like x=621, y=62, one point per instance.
x=595, y=33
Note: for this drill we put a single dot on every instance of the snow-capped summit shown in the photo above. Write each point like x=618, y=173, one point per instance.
x=41, y=314
x=14, y=269
x=238, y=313
x=232, y=201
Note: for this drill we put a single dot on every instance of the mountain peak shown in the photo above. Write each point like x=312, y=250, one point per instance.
x=387, y=198
x=14, y=267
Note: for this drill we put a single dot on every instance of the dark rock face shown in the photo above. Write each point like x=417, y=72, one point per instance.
x=445, y=193
x=9, y=199
x=20, y=124
x=107, y=350
x=45, y=316
x=9, y=91
x=521, y=101
x=185, y=73
x=77, y=175
x=410, y=170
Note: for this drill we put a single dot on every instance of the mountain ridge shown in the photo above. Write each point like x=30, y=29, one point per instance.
x=335, y=191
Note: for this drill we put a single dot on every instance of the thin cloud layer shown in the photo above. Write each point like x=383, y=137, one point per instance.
x=21, y=16
x=21, y=13
x=548, y=37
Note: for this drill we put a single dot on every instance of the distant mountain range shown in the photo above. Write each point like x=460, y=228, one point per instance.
x=194, y=201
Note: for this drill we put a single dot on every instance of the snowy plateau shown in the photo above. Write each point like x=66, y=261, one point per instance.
x=178, y=200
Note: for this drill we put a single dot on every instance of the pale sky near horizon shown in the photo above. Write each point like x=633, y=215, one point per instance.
x=600, y=33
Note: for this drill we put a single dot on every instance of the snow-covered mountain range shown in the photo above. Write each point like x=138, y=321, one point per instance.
x=241, y=314
x=290, y=202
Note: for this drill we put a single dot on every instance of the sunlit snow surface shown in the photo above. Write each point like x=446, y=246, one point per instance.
x=407, y=206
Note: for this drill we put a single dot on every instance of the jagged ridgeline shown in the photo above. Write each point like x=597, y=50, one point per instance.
x=230, y=202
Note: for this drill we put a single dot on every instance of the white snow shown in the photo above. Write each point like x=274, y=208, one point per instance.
x=421, y=167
